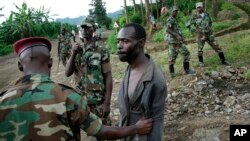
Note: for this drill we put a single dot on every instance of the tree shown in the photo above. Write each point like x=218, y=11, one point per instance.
x=214, y=8
x=147, y=8
x=157, y=9
x=205, y=5
x=134, y=6
x=141, y=3
x=26, y=22
x=98, y=12
x=126, y=10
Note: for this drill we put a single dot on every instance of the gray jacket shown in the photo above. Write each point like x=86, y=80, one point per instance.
x=148, y=101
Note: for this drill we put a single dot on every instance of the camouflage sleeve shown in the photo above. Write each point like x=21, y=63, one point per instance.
x=169, y=23
x=209, y=20
x=81, y=115
x=105, y=58
x=192, y=20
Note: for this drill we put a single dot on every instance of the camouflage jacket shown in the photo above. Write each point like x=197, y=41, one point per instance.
x=38, y=109
x=64, y=42
x=173, y=24
x=203, y=23
x=91, y=65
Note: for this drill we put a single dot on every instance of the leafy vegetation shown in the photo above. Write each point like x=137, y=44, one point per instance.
x=5, y=49
x=112, y=43
x=27, y=22
x=247, y=74
x=99, y=13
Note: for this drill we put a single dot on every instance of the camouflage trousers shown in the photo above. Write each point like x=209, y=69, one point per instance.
x=176, y=48
x=209, y=38
x=65, y=54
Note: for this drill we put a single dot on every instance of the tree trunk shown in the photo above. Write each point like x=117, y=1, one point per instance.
x=157, y=9
x=126, y=11
x=205, y=5
x=174, y=2
x=214, y=8
x=151, y=6
x=142, y=15
x=147, y=8
x=134, y=6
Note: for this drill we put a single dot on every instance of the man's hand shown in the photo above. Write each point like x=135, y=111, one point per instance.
x=144, y=126
x=105, y=110
x=179, y=38
x=198, y=30
x=76, y=49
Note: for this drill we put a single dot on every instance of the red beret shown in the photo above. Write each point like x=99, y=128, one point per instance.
x=26, y=43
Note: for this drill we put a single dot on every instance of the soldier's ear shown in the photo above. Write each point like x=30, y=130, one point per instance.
x=20, y=66
x=50, y=63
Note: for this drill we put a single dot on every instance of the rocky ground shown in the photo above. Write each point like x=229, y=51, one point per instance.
x=198, y=108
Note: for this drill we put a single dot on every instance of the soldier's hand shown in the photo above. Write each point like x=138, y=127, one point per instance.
x=105, y=110
x=76, y=49
x=144, y=126
x=179, y=38
x=198, y=30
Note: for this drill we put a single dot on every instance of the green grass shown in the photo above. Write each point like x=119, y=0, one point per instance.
x=5, y=49
x=247, y=74
x=218, y=26
x=159, y=36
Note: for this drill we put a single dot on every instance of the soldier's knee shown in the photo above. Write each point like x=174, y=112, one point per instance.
x=171, y=62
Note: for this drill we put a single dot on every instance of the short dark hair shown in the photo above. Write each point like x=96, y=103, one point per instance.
x=139, y=30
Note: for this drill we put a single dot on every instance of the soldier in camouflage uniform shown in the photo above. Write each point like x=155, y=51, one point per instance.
x=37, y=108
x=203, y=27
x=64, y=45
x=91, y=65
x=176, y=44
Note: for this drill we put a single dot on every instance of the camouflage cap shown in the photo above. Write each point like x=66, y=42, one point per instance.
x=88, y=22
x=174, y=8
x=199, y=4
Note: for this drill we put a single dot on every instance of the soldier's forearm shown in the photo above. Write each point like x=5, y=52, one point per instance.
x=170, y=31
x=70, y=66
x=108, y=87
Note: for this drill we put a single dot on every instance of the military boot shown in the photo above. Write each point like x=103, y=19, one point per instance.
x=171, y=70
x=187, y=68
x=222, y=58
x=200, y=57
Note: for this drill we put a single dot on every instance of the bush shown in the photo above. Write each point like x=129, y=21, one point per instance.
x=136, y=18
x=247, y=74
x=112, y=43
x=227, y=15
x=228, y=6
x=122, y=21
x=5, y=49
x=159, y=36
x=223, y=25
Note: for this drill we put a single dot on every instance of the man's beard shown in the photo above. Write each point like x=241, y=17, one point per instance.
x=130, y=55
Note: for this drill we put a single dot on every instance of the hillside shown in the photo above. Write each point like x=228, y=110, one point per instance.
x=78, y=20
